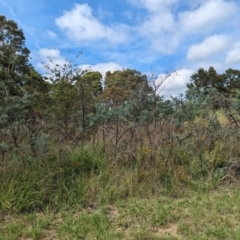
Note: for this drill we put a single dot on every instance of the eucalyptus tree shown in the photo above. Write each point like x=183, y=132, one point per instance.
x=89, y=87
x=120, y=85
x=127, y=89
x=73, y=94
x=124, y=99
x=14, y=59
x=15, y=77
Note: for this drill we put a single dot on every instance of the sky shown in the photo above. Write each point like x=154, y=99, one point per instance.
x=154, y=37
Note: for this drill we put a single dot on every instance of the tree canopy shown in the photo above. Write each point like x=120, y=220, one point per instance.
x=205, y=80
x=120, y=85
x=14, y=60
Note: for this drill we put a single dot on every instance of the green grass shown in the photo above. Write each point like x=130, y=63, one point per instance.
x=85, y=196
x=198, y=215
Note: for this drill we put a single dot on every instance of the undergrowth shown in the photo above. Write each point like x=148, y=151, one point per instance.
x=88, y=176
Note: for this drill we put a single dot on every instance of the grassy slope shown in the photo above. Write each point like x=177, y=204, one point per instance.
x=198, y=215
x=86, y=195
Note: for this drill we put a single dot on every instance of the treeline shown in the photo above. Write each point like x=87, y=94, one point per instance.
x=42, y=115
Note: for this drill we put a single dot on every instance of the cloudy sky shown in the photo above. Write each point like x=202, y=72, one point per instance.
x=146, y=35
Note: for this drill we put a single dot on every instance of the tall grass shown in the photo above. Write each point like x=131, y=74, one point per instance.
x=89, y=176
x=48, y=183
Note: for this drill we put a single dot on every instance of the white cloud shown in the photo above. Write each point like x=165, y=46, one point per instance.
x=210, y=46
x=162, y=28
x=166, y=44
x=166, y=30
x=177, y=83
x=159, y=30
x=45, y=53
x=208, y=16
x=81, y=26
x=52, y=53
x=233, y=56
x=50, y=57
x=228, y=55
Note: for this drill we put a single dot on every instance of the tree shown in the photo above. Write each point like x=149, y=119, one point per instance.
x=89, y=87
x=13, y=66
x=63, y=112
x=232, y=81
x=21, y=88
x=120, y=85
x=204, y=80
x=158, y=84
x=92, y=81
x=14, y=59
x=73, y=95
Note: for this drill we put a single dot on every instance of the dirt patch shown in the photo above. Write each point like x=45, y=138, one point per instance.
x=112, y=210
x=169, y=230
x=49, y=235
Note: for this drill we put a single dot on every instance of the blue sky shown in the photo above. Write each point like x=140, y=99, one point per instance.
x=146, y=35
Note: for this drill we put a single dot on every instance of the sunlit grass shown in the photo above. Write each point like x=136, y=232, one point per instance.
x=209, y=215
